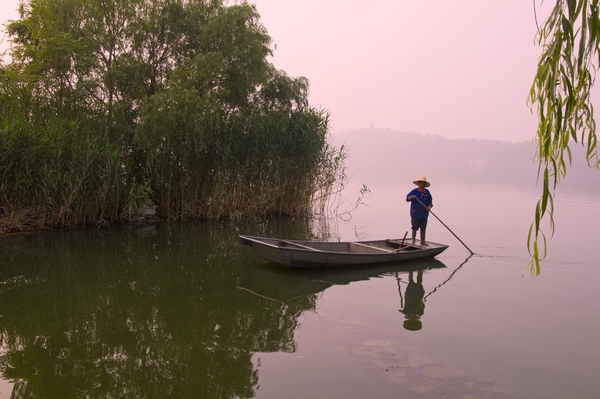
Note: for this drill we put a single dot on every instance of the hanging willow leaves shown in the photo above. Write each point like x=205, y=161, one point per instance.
x=560, y=94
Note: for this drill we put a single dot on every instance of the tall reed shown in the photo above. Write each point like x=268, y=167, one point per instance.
x=58, y=175
x=252, y=164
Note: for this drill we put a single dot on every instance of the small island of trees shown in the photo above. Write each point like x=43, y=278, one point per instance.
x=110, y=105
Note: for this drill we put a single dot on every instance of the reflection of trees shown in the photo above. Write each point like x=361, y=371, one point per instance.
x=109, y=314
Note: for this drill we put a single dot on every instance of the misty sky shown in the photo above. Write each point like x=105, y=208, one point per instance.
x=455, y=68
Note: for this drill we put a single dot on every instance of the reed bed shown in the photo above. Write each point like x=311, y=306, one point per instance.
x=60, y=175
x=255, y=165
x=53, y=175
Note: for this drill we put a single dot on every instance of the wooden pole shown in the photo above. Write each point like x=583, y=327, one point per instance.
x=446, y=227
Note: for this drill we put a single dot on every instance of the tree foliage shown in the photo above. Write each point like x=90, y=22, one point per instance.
x=562, y=96
x=160, y=95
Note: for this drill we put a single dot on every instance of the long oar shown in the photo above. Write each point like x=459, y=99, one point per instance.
x=446, y=226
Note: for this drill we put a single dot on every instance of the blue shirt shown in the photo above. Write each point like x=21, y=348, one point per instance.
x=417, y=210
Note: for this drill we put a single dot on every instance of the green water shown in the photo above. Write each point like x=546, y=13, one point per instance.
x=133, y=313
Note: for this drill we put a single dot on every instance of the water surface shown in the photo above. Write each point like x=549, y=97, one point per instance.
x=184, y=310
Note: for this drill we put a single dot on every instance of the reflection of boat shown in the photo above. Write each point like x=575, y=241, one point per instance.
x=283, y=284
x=316, y=254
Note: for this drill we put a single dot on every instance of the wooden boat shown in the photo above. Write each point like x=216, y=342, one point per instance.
x=317, y=254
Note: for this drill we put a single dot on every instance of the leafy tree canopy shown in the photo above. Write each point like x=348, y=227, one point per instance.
x=112, y=55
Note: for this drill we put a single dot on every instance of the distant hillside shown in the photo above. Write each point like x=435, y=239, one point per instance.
x=379, y=156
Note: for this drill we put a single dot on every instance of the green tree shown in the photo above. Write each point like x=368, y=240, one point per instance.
x=561, y=95
x=109, y=56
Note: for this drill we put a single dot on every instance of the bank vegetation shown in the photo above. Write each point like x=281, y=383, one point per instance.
x=110, y=105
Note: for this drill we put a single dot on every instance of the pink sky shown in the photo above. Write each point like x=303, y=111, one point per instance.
x=455, y=68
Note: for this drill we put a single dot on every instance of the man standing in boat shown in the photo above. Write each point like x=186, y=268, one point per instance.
x=421, y=203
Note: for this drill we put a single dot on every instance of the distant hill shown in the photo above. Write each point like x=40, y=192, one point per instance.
x=380, y=155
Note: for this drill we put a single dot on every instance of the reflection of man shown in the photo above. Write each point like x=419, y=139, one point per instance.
x=414, y=307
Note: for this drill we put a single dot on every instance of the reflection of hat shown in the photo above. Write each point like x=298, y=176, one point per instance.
x=413, y=324
x=424, y=179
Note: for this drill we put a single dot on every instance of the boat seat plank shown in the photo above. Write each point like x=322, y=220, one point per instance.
x=360, y=244
x=401, y=245
x=300, y=245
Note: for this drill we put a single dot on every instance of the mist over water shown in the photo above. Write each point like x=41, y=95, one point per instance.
x=385, y=157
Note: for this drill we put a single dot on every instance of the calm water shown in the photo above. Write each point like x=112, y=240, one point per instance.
x=185, y=311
